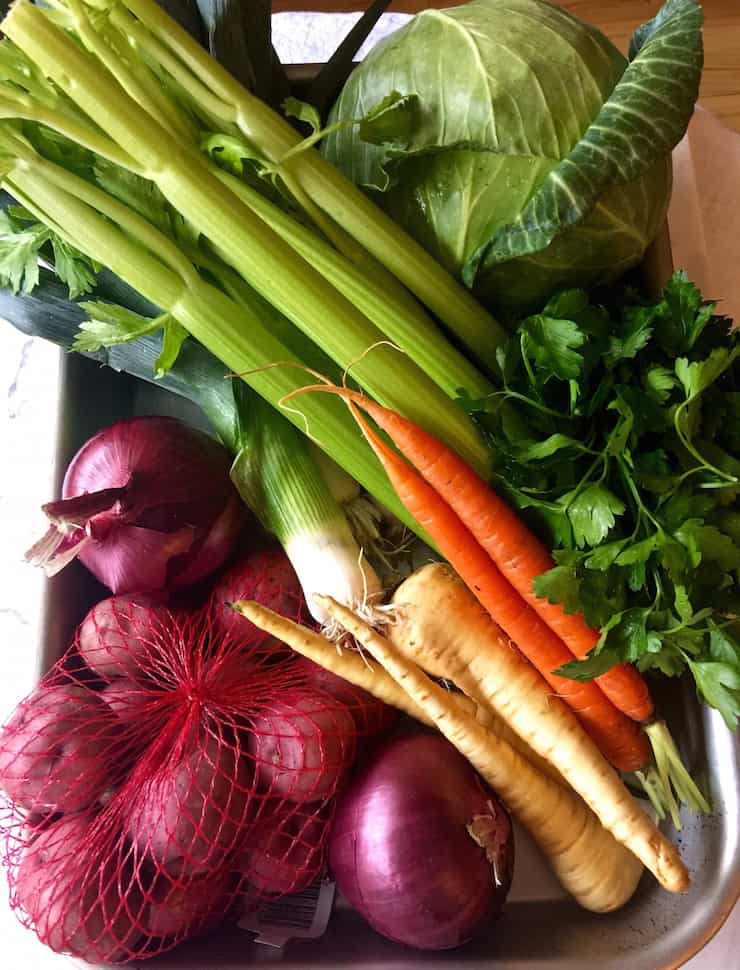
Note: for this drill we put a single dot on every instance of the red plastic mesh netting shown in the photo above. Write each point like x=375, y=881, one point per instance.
x=164, y=772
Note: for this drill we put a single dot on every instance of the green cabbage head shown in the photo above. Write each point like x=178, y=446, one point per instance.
x=517, y=158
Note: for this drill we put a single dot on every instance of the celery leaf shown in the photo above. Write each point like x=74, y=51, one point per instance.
x=173, y=336
x=302, y=111
x=109, y=325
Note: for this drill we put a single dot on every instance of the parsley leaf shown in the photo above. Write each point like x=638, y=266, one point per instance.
x=536, y=450
x=683, y=315
x=719, y=685
x=638, y=551
x=592, y=513
x=559, y=585
x=604, y=556
x=635, y=333
x=707, y=543
x=592, y=666
x=659, y=381
x=627, y=634
x=567, y=304
x=698, y=375
x=551, y=343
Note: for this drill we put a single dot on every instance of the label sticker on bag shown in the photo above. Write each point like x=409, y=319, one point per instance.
x=303, y=916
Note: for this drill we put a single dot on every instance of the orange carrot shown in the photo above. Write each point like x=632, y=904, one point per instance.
x=619, y=738
x=517, y=552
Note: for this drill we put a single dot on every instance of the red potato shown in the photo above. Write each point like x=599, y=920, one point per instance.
x=126, y=700
x=56, y=750
x=189, y=816
x=113, y=637
x=302, y=747
x=183, y=910
x=266, y=576
x=285, y=853
x=371, y=716
x=95, y=917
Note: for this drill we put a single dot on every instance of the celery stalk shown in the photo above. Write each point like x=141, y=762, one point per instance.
x=330, y=190
x=407, y=326
x=208, y=314
x=253, y=249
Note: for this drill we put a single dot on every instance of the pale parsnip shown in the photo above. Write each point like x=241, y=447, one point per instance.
x=370, y=676
x=599, y=872
x=474, y=653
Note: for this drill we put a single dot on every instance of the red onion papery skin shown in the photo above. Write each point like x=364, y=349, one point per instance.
x=402, y=852
x=152, y=504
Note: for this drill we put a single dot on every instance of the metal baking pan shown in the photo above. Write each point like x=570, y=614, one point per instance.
x=540, y=928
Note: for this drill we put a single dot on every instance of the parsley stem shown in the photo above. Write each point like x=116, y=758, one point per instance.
x=600, y=457
x=703, y=630
x=526, y=361
x=703, y=463
x=629, y=482
x=534, y=404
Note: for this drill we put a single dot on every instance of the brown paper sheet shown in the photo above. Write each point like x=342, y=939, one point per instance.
x=704, y=216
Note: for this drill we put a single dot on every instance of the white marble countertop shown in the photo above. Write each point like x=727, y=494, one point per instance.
x=29, y=388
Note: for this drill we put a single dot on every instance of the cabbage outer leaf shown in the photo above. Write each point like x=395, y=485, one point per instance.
x=643, y=119
x=536, y=104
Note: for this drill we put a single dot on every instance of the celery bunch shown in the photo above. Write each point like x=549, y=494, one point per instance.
x=112, y=111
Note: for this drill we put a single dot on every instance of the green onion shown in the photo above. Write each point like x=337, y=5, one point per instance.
x=277, y=478
x=299, y=494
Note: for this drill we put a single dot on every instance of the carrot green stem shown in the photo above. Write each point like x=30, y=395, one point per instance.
x=674, y=782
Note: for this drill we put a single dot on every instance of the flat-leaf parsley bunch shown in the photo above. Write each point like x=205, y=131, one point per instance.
x=617, y=432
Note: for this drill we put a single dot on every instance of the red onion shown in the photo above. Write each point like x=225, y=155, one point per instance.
x=147, y=504
x=420, y=847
